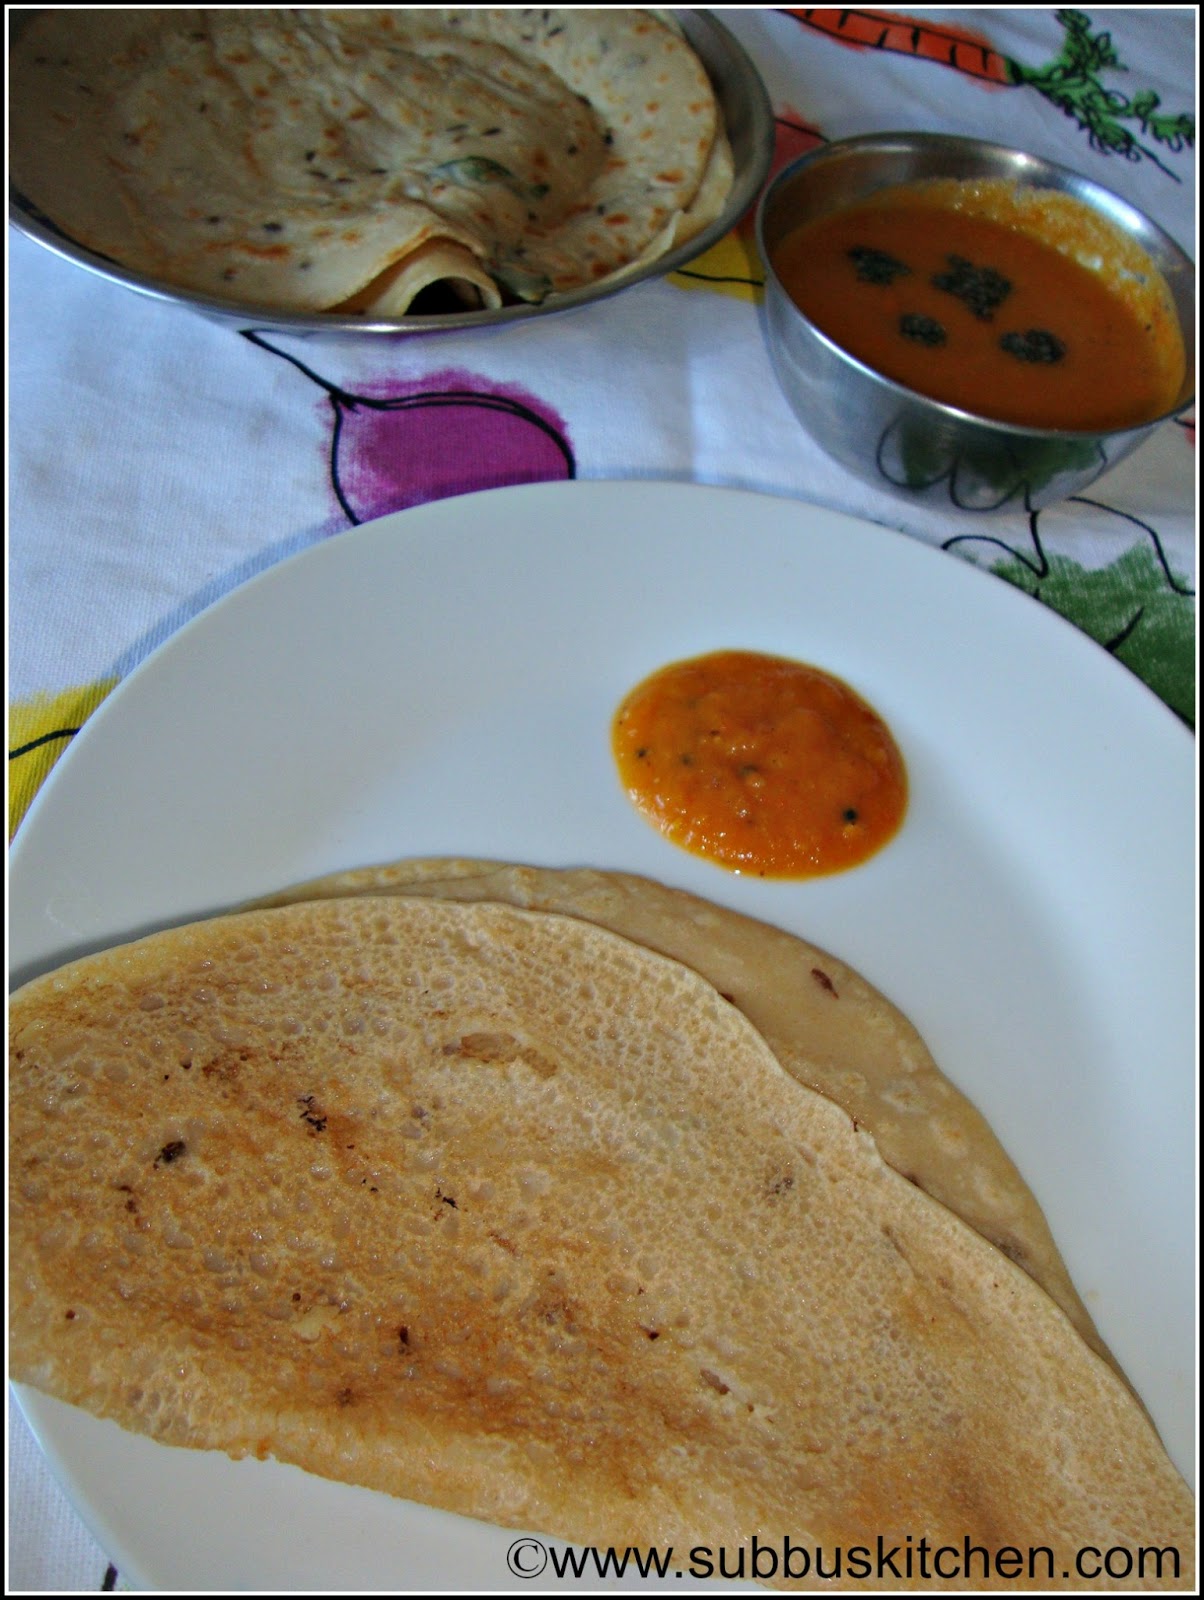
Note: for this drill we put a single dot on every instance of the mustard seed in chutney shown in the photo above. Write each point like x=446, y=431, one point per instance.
x=762, y=764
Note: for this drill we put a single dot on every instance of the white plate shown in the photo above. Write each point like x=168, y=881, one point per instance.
x=442, y=682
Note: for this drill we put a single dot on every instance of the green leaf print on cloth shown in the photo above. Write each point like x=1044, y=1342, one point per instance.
x=1072, y=82
x=1135, y=608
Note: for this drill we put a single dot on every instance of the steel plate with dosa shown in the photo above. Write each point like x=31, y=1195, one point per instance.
x=45, y=193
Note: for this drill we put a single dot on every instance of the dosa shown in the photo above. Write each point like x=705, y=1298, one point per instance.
x=828, y=1027
x=309, y=160
x=498, y=1210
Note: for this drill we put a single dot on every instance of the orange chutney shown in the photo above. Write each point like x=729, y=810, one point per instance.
x=1019, y=305
x=762, y=764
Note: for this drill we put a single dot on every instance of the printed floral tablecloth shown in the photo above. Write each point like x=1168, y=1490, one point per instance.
x=158, y=460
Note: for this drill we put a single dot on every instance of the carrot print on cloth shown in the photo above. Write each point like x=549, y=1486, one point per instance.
x=928, y=41
x=1071, y=80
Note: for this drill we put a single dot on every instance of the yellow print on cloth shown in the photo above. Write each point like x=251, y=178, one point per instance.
x=39, y=730
x=732, y=265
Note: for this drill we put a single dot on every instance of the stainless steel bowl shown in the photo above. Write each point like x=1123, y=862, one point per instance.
x=748, y=117
x=891, y=436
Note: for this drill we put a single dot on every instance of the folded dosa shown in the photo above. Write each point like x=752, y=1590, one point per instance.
x=293, y=157
x=500, y=1211
x=828, y=1027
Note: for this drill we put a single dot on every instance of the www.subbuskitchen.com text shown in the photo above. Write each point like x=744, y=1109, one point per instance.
x=767, y=1560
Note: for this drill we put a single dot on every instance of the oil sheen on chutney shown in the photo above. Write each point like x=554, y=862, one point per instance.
x=764, y=765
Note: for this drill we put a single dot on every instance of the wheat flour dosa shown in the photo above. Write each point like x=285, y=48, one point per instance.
x=291, y=158
x=500, y=1211
x=828, y=1027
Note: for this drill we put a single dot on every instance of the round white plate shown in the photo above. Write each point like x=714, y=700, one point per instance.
x=442, y=682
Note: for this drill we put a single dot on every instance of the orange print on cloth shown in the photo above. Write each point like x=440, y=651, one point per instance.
x=732, y=265
x=39, y=730
x=928, y=41
x=1115, y=123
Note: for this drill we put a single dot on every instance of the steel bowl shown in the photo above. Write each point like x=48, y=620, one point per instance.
x=893, y=437
x=748, y=118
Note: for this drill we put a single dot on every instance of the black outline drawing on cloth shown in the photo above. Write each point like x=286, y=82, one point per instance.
x=344, y=404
